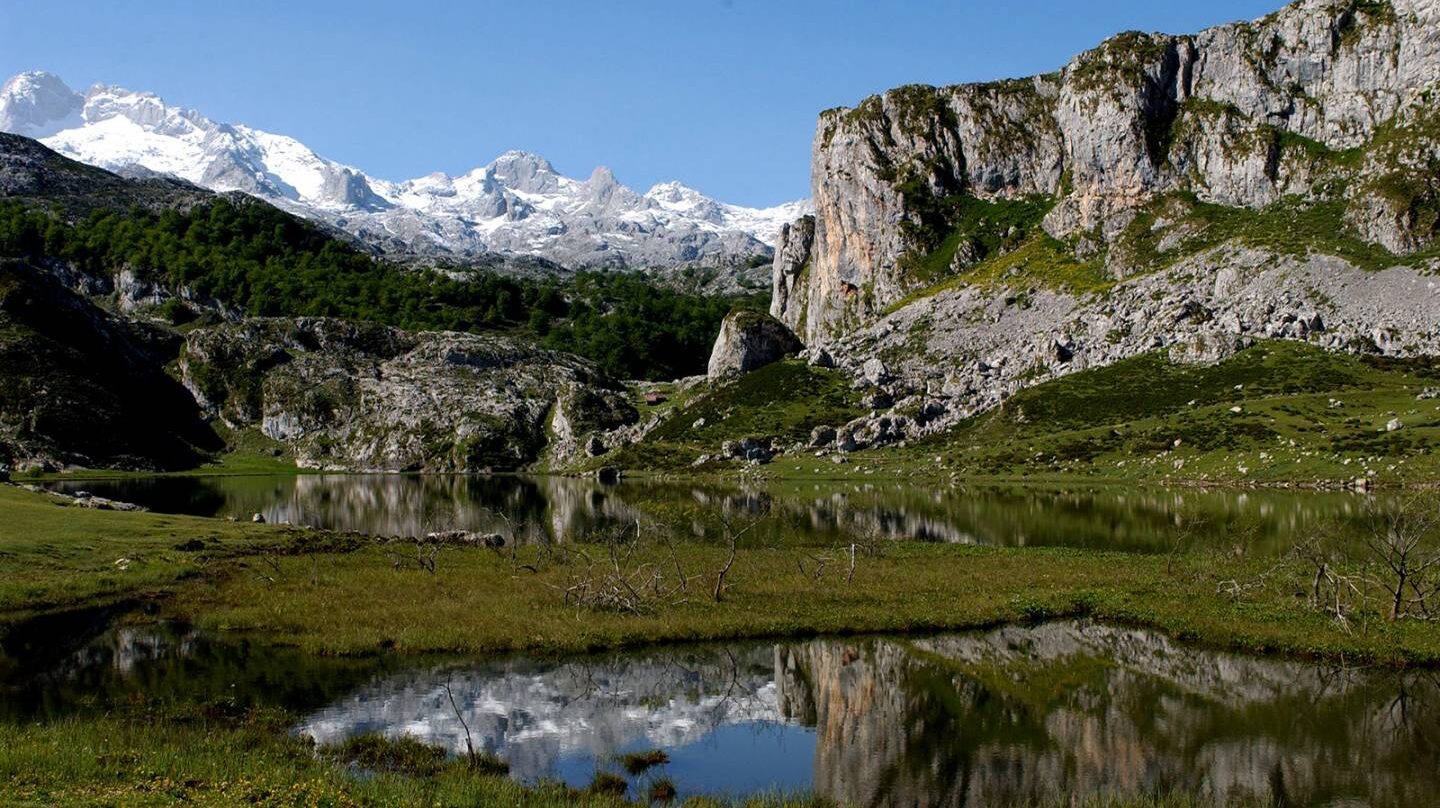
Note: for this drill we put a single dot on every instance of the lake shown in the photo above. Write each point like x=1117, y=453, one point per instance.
x=825, y=513
x=1017, y=714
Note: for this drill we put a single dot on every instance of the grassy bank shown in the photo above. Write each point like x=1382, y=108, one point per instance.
x=54, y=555
x=337, y=595
x=476, y=601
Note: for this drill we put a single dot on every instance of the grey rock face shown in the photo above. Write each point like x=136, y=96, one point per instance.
x=352, y=396
x=1242, y=115
x=792, y=261
x=749, y=340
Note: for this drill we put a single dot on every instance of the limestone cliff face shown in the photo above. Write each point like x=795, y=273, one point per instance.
x=1326, y=102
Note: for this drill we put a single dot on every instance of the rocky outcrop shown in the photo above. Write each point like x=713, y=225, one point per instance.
x=1325, y=103
x=749, y=340
x=80, y=386
x=356, y=396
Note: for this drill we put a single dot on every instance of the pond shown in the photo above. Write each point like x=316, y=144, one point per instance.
x=555, y=508
x=1018, y=714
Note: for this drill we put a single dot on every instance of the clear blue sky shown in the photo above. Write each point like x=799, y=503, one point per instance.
x=721, y=94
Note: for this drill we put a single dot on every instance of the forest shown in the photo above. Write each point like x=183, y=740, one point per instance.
x=262, y=262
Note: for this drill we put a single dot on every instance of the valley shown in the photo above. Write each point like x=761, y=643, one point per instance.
x=1073, y=444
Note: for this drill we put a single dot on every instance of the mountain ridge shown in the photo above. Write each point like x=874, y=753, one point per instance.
x=517, y=204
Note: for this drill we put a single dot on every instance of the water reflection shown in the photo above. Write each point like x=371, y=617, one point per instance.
x=715, y=711
x=1023, y=715
x=556, y=508
x=1018, y=715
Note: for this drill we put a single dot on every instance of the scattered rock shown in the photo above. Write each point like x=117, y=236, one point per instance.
x=820, y=358
x=822, y=436
x=874, y=371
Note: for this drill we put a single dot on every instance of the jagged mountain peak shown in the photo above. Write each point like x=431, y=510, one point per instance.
x=517, y=203
x=38, y=103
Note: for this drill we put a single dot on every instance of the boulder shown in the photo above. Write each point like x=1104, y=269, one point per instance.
x=755, y=450
x=820, y=358
x=874, y=371
x=822, y=436
x=749, y=340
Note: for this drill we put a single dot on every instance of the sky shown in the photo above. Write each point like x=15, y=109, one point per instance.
x=720, y=94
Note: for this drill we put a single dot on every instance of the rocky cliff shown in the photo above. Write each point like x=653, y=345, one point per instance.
x=1319, y=119
x=356, y=396
x=82, y=386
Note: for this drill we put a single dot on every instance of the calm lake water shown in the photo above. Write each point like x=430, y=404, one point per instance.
x=1018, y=714
x=557, y=508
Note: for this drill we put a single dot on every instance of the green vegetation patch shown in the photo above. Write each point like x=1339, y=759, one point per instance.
x=940, y=227
x=784, y=400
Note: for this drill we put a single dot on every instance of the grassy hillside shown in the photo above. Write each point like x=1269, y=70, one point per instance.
x=1304, y=415
x=785, y=400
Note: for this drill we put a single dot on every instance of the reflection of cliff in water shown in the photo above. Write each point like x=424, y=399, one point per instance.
x=1057, y=712
x=561, y=508
x=532, y=508
x=1031, y=715
x=1122, y=519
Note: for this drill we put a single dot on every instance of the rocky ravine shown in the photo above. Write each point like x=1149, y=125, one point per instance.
x=356, y=396
x=1181, y=192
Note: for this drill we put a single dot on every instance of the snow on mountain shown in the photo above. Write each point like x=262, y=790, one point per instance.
x=517, y=204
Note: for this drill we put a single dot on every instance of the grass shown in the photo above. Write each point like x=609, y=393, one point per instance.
x=637, y=763
x=1040, y=260
x=329, y=597
x=360, y=603
x=58, y=556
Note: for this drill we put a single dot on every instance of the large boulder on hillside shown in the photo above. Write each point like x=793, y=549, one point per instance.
x=750, y=340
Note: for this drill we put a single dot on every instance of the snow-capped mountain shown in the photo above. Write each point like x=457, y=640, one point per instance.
x=517, y=204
